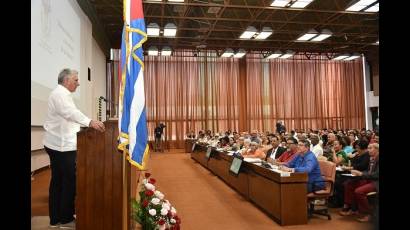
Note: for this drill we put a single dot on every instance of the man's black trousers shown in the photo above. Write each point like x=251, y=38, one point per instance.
x=62, y=186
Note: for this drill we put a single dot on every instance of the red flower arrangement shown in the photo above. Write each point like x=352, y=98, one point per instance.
x=153, y=212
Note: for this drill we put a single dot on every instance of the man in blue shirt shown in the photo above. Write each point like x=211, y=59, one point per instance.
x=306, y=161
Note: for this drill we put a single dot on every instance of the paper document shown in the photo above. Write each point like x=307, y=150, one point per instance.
x=282, y=173
x=252, y=160
x=338, y=168
x=273, y=166
x=348, y=174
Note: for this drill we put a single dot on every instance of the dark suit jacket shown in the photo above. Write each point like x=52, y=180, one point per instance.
x=278, y=152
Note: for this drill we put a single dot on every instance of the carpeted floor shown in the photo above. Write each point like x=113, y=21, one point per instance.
x=202, y=200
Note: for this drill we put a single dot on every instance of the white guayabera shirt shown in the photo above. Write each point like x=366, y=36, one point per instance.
x=63, y=121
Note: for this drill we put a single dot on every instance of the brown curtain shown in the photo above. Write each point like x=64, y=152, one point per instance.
x=206, y=92
x=190, y=93
x=304, y=93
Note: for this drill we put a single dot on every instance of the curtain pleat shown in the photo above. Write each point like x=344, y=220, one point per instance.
x=206, y=92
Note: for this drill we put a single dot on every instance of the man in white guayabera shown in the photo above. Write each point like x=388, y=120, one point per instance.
x=62, y=123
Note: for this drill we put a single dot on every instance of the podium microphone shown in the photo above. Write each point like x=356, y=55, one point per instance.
x=106, y=100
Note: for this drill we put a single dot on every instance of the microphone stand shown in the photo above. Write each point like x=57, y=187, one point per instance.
x=100, y=99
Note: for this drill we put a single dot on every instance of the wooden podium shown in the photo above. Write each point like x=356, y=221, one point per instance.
x=106, y=181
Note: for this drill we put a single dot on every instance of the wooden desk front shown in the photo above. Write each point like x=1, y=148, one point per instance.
x=283, y=198
x=188, y=144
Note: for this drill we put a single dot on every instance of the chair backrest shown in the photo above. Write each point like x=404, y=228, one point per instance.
x=328, y=171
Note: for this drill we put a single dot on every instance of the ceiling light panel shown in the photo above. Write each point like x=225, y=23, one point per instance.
x=360, y=5
x=280, y=3
x=301, y=3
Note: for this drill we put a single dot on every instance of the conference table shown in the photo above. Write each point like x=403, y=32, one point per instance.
x=281, y=196
x=189, y=142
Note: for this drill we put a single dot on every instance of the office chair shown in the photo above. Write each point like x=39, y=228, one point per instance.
x=328, y=171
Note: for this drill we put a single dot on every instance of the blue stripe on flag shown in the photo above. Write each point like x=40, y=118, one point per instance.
x=142, y=139
x=132, y=87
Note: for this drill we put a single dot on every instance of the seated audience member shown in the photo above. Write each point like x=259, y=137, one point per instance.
x=352, y=138
x=293, y=134
x=306, y=161
x=359, y=162
x=339, y=157
x=287, y=156
x=236, y=136
x=361, y=159
x=208, y=134
x=201, y=132
x=323, y=139
x=264, y=140
x=283, y=144
x=355, y=148
x=191, y=135
x=254, y=152
x=228, y=133
x=276, y=151
x=240, y=143
x=202, y=138
x=327, y=148
x=223, y=142
x=267, y=147
x=315, y=147
x=348, y=149
x=214, y=141
x=376, y=138
x=255, y=137
x=356, y=189
x=231, y=142
x=246, y=145
x=373, y=138
x=362, y=134
x=299, y=136
x=369, y=135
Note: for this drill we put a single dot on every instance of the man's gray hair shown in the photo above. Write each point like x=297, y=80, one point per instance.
x=64, y=74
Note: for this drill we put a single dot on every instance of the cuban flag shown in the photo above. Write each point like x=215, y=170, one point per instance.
x=132, y=120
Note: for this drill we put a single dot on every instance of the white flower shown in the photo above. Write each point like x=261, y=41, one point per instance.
x=152, y=212
x=159, y=195
x=173, y=221
x=164, y=211
x=144, y=181
x=166, y=206
x=155, y=201
x=149, y=186
x=173, y=211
